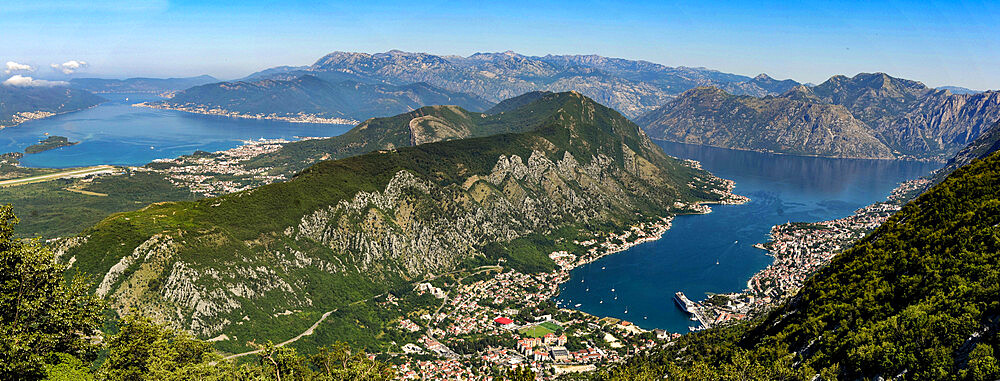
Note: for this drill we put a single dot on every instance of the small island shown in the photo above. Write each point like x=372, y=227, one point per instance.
x=52, y=142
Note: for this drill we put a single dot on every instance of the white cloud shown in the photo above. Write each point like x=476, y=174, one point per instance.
x=14, y=66
x=69, y=67
x=20, y=81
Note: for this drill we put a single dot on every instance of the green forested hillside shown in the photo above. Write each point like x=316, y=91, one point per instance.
x=15, y=100
x=916, y=300
x=345, y=231
x=424, y=125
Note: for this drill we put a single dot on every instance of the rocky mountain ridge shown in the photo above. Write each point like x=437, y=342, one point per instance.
x=629, y=86
x=908, y=118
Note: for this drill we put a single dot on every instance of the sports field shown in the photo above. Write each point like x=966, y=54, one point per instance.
x=540, y=330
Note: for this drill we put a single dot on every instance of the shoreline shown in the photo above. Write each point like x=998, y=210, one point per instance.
x=43, y=115
x=659, y=228
x=894, y=158
x=799, y=250
x=301, y=118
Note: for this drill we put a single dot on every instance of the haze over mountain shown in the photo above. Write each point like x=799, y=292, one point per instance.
x=346, y=230
x=308, y=94
x=139, y=85
x=631, y=87
x=905, y=117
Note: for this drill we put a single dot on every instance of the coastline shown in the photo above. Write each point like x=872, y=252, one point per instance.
x=203, y=110
x=799, y=250
x=27, y=116
x=568, y=262
x=894, y=158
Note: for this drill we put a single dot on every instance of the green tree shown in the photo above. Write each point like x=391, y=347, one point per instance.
x=145, y=350
x=337, y=362
x=520, y=374
x=41, y=313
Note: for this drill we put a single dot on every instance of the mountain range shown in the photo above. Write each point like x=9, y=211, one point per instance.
x=867, y=116
x=552, y=167
x=631, y=87
x=309, y=94
x=19, y=104
x=139, y=85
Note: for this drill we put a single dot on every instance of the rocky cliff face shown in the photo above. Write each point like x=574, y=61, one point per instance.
x=347, y=230
x=903, y=116
x=713, y=117
x=986, y=144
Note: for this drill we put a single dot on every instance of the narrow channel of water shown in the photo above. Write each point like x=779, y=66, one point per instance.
x=782, y=188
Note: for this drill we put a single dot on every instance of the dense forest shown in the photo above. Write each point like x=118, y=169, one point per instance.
x=914, y=300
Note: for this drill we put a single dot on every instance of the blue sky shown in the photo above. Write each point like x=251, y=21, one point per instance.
x=939, y=43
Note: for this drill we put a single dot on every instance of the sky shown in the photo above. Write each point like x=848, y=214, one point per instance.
x=938, y=43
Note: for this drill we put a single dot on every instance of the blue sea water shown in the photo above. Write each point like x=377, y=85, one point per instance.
x=782, y=188
x=117, y=133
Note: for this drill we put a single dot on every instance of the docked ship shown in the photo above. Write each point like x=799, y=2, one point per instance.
x=683, y=302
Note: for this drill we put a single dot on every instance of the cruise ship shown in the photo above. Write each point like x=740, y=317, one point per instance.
x=683, y=302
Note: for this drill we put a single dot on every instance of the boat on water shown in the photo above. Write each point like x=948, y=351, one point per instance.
x=683, y=302
x=578, y=305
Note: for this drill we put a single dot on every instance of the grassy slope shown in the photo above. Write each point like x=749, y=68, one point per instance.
x=394, y=132
x=48, y=210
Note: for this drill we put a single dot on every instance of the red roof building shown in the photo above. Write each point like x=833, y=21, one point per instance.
x=503, y=321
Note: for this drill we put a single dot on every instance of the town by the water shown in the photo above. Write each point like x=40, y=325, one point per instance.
x=497, y=316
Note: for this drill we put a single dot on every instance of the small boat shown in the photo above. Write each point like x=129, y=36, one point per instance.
x=601, y=302
x=616, y=298
x=645, y=317
x=588, y=289
x=578, y=305
x=716, y=262
x=626, y=311
x=151, y=147
x=602, y=267
x=612, y=290
x=581, y=280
